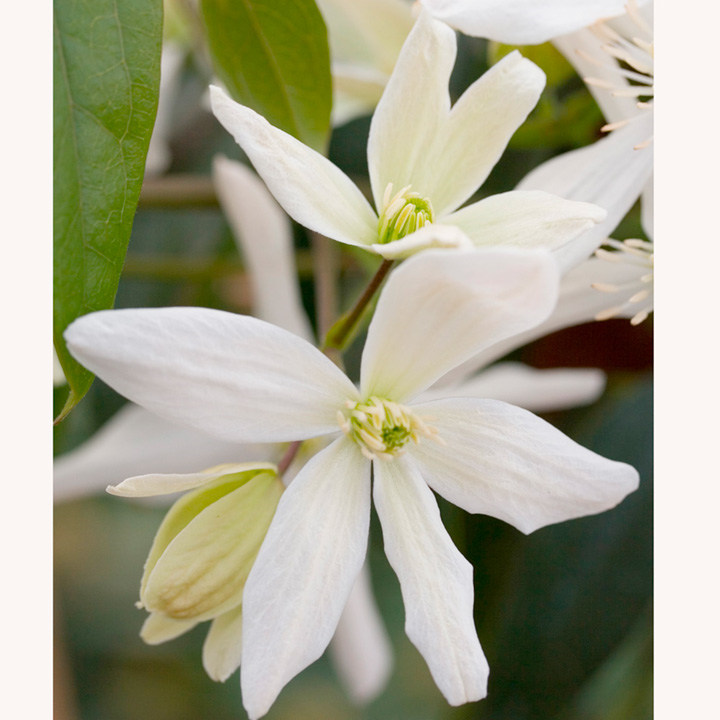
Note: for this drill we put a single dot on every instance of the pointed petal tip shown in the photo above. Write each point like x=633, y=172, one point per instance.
x=625, y=479
x=515, y=59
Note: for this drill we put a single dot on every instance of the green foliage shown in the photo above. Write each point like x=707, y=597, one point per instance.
x=273, y=56
x=106, y=83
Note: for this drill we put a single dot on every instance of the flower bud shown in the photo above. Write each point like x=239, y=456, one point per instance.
x=207, y=543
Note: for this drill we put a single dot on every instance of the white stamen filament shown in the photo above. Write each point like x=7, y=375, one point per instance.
x=633, y=80
x=639, y=253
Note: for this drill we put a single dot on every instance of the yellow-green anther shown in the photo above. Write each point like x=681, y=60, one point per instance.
x=381, y=427
x=402, y=214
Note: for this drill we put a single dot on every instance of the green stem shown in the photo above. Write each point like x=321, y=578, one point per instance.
x=341, y=332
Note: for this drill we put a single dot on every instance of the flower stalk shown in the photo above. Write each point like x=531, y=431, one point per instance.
x=342, y=332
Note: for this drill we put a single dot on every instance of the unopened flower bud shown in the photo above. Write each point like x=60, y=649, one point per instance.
x=207, y=543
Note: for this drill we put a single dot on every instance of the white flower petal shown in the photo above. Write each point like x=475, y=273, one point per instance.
x=222, y=648
x=360, y=648
x=162, y=484
x=158, y=157
x=159, y=628
x=610, y=173
x=521, y=22
x=505, y=462
x=648, y=208
x=264, y=237
x=440, y=308
x=478, y=130
x=578, y=303
x=435, y=579
x=304, y=572
x=531, y=219
x=430, y=236
x=310, y=188
x=356, y=91
x=527, y=387
x=411, y=112
x=233, y=376
x=135, y=441
x=368, y=33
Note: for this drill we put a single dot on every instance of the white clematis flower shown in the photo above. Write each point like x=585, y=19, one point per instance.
x=609, y=42
x=425, y=160
x=616, y=60
x=610, y=172
x=615, y=57
x=245, y=380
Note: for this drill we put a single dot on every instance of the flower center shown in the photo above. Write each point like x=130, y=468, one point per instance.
x=381, y=427
x=402, y=214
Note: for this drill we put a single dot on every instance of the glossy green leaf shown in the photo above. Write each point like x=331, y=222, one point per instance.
x=273, y=56
x=106, y=82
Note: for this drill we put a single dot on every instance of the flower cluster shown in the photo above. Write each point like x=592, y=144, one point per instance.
x=272, y=548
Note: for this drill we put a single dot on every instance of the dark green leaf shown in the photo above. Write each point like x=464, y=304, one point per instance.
x=273, y=56
x=623, y=685
x=106, y=81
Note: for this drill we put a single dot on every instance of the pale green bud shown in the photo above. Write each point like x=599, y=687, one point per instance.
x=207, y=543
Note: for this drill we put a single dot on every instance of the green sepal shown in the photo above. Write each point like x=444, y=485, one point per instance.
x=206, y=545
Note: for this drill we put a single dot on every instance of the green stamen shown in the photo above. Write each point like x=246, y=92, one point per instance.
x=382, y=428
x=402, y=214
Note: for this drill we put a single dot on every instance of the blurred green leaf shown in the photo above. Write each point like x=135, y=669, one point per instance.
x=560, y=123
x=106, y=82
x=623, y=686
x=273, y=56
